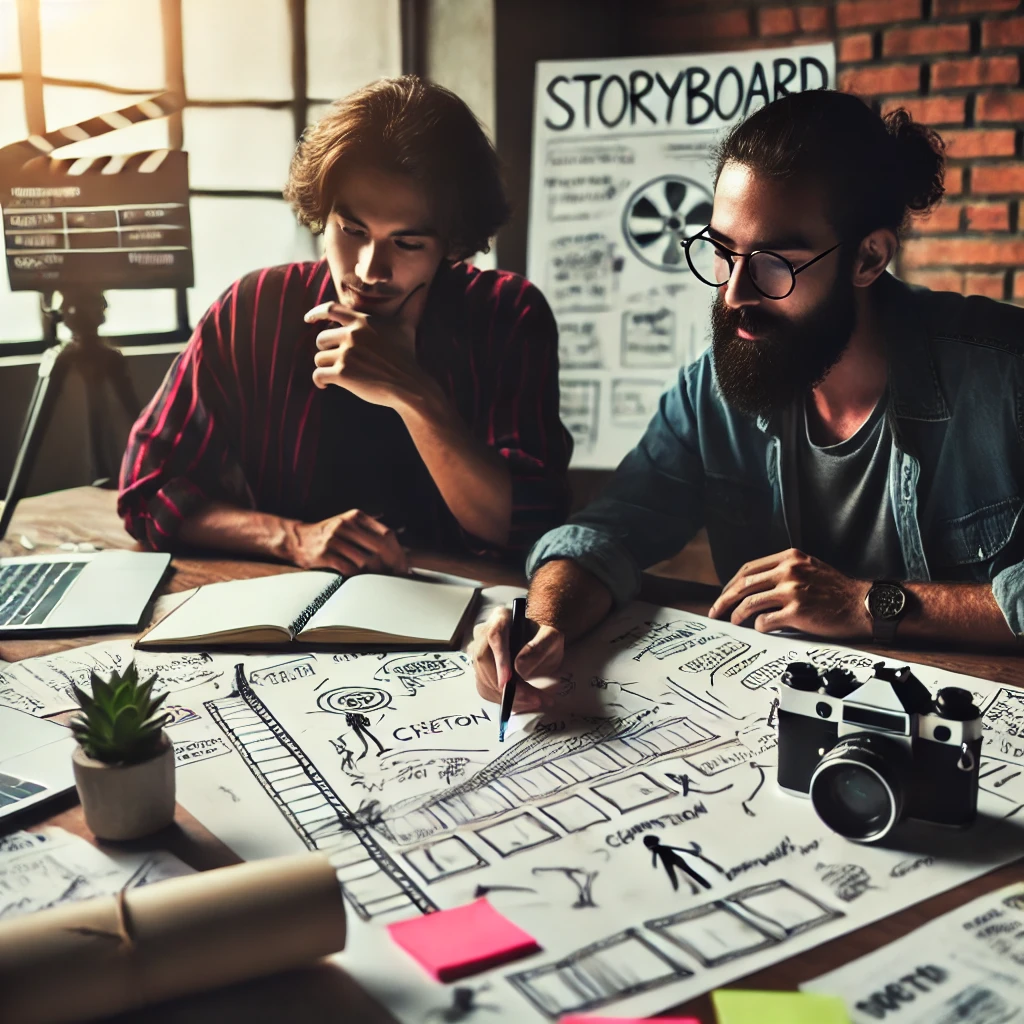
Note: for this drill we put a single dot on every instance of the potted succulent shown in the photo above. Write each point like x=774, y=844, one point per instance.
x=124, y=761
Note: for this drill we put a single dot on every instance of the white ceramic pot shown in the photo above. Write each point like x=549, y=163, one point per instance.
x=126, y=801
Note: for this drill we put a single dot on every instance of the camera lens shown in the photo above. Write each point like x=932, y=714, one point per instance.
x=858, y=787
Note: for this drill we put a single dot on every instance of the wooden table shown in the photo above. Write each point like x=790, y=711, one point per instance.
x=87, y=514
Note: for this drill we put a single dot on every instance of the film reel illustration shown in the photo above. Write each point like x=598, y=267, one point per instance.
x=353, y=699
x=660, y=214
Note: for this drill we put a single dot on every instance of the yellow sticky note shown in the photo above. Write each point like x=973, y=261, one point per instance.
x=733, y=1006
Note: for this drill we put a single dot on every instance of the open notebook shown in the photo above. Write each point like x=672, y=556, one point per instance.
x=317, y=608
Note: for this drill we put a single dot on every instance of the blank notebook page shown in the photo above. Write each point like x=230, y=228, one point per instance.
x=397, y=606
x=242, y=604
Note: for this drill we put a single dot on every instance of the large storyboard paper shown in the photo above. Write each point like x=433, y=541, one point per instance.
x=621, y=175
x=966, y=967
x=390, y=762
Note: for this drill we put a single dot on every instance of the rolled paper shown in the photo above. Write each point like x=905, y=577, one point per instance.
x=173, y=938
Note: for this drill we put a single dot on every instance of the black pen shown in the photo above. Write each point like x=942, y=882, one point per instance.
x=516, y=641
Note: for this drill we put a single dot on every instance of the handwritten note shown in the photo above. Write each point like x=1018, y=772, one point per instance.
x=734, y=1006
x=453, y=944
x=43, y=686
x=966, y=966
x=42, y=869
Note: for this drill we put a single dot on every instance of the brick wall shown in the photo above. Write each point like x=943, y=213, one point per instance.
x=954, y=64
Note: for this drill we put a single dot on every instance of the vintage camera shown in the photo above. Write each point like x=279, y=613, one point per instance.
x=870, y=754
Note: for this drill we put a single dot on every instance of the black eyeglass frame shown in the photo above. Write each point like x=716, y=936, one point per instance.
x=793, y=270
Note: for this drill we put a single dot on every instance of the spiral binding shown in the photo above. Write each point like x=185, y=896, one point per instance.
x=314, y=606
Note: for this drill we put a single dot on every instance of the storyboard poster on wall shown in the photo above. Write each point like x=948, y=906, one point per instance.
x=621, y=175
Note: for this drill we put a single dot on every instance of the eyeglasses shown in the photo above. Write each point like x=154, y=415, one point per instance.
x=771, y=274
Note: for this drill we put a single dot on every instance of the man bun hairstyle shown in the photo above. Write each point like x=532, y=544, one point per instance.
x=411, y=127
x=875, y=170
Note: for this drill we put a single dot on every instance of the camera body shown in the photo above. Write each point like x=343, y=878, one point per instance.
x=870, y=754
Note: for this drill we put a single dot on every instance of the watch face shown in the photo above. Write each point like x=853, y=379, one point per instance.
x=886, y=601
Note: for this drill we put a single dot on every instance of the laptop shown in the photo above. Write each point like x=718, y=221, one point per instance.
x=35, y=761
x=73, y=593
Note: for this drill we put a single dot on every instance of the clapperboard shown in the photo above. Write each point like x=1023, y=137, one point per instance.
x=96, y=222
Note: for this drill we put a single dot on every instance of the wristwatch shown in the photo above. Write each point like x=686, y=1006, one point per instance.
x=886, y=602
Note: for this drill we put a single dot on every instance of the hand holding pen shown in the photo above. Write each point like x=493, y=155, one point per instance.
x=516, y=640
x=539, y=658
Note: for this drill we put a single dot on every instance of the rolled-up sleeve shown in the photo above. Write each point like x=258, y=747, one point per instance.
x=651, y=507
x=179, y=454
x=1008, y=590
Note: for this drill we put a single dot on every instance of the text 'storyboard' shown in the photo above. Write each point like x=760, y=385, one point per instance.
x=621, y=175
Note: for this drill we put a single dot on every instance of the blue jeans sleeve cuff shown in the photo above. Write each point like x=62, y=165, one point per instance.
x=593, y=551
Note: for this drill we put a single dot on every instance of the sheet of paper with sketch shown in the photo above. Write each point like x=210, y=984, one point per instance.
x=966, y=966
x=317, y=608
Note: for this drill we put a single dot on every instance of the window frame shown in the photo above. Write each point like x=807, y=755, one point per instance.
x=32, y=80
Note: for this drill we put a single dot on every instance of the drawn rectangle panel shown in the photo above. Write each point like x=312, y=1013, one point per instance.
x=632, y=792
x=792, y=910
x=574, y=814
x=522, y=832
x=580, y=272
x=622, y=965
x=446, y=857
x=713, y=933
x=747, y=922
x=649, y=339
x=578, y=408
x=634, y=402
x=579, y=343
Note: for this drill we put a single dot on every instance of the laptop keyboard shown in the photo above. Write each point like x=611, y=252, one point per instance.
x=29, y=591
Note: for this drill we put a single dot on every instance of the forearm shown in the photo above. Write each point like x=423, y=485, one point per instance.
x=244, y=531
x=567, y=597
x=955, y=612
x=473, y=479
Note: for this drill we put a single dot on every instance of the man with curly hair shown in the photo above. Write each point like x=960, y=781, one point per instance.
x=329, y=414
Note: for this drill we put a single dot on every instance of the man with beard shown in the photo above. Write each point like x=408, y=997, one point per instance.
x=848, y=442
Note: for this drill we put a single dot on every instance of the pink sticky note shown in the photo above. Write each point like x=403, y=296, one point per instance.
x=576, y=1019
x=452, y=944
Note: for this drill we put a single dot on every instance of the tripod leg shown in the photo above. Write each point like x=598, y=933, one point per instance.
x=123, y=386
x=102, y=366
x=40, y=411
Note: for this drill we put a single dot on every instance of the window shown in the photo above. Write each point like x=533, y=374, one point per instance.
x=254, y=73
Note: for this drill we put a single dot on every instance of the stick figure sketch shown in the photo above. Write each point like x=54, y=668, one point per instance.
x=670, y=860
x=360, y=725
x=684, y=783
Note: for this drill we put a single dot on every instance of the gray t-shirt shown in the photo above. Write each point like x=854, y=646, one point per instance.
x=845, y=513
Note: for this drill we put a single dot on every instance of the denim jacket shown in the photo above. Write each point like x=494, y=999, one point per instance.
x=956, y=469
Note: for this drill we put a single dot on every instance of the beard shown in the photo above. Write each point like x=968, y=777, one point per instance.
x=789, y=356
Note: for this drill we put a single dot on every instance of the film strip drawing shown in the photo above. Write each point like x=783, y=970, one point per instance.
x=372, y=882
x=537, y=768
x=616, y=967
x=117, y=221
